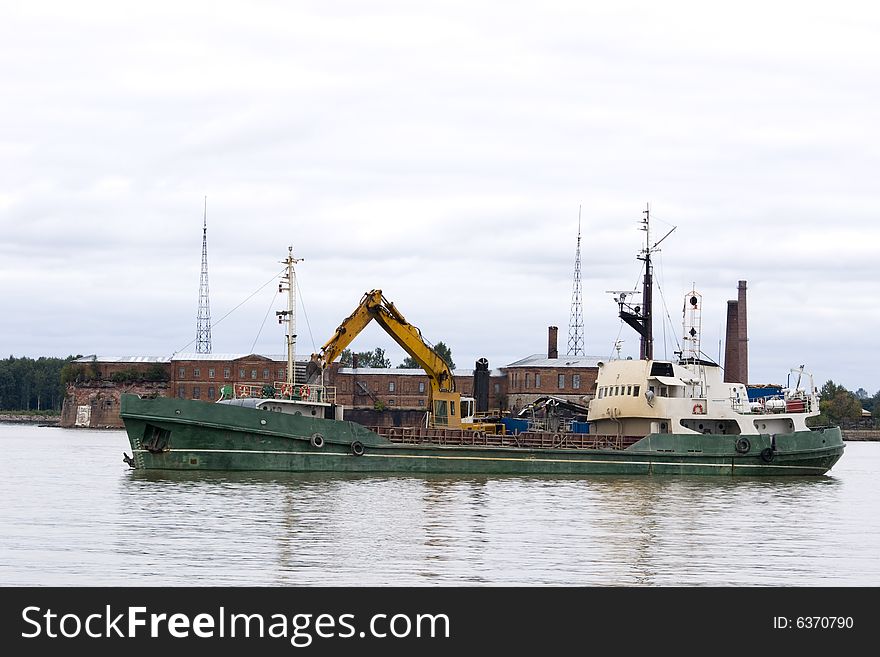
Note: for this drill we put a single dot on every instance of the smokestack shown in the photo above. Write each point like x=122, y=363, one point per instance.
x=552, y=348
x=731, y=344
x=481, y=386
x=742, y=334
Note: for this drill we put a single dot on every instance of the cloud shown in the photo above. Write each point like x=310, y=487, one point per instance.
x=440, y=154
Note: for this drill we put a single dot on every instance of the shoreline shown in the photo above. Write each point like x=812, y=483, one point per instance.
x=25, y=418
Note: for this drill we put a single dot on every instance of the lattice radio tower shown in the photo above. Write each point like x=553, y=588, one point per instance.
x=203, y=327
x=576, y=321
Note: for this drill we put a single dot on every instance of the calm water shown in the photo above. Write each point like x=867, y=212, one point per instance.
x=72, y=513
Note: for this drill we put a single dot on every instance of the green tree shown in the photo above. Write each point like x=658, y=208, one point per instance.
x=409, y=363
x=837, y=404
x=375, y=358
x=28, y=384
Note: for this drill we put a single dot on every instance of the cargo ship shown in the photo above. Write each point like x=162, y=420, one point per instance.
x=647, y=416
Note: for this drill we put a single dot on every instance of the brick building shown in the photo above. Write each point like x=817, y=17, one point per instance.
x=203, y=376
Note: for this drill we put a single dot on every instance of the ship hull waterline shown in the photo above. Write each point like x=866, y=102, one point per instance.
x=194, y=435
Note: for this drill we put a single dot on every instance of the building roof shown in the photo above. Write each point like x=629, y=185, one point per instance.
x=227, y=357
x=123, y=359
x=541, y=360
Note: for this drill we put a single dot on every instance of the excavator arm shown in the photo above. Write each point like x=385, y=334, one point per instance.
x=443, y=399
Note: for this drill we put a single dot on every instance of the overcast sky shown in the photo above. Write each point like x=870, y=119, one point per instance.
x=439, y=151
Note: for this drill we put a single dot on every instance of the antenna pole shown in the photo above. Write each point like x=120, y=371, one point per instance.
x=576, y=321
x=288, y=284
x=203, y=322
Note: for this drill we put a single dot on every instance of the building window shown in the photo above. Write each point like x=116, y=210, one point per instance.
x=181, y=392
x=281, y=376
x=562, y=381
x=391, y=402
x=497, y=388
x=391, y=386
x=181, y=373
x=537, y=380
x=197, y=392
x=421, y=402
x=241, y=373
x=575, y=381
x=210, y=372
x=515, y=377
x=527, y=379
x=227, y=373
x=266, y=373
x=253, y=374
x=422, y=386
x=211, y=392
x=197, y=373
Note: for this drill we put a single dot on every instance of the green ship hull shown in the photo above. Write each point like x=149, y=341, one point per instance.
x=177, y=434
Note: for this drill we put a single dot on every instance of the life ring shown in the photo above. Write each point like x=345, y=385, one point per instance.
x=698, y=409
x=304, y=392
x=285, y=389
x=357, y=448
x=743, y=445
x=767, y=454
x=317, y=440
x=243, y=391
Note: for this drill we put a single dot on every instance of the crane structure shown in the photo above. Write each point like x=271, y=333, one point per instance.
x=445, y=404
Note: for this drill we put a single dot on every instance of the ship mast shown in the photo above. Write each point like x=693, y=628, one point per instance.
x=640, y=317
x=288, y=284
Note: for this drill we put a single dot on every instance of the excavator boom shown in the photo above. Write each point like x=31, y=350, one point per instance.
x=443, y=399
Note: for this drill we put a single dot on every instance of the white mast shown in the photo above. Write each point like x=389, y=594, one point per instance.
x=288, y=284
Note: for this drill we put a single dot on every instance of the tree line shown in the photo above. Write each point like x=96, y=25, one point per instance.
x=28, y=384
x=377, y=358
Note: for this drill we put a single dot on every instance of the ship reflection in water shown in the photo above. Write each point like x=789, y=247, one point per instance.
x=432, y=530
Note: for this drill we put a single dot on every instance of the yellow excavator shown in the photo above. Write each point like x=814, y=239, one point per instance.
x=446, y=408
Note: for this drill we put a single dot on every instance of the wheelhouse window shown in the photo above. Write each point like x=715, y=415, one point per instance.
x=635, y=391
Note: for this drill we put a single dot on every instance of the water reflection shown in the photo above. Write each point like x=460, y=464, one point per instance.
x=329, y=529
x=100, y=524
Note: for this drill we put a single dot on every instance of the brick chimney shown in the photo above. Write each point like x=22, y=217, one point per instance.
x=552, y=348
x=731, y=344
x=736, y=349
x=742, y=334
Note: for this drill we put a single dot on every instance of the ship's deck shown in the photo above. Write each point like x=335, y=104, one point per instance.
x=528, y=440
